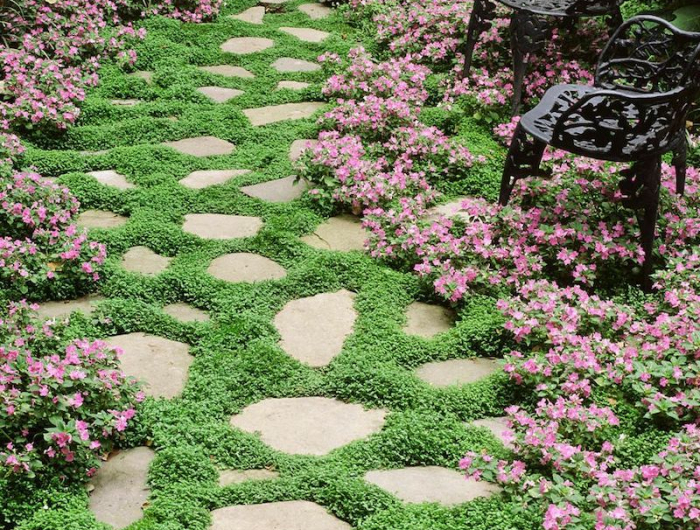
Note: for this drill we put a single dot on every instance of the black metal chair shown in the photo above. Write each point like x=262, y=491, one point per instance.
x=647, y=79
x=530, y=28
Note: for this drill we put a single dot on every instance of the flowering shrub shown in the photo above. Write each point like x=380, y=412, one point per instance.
x=60, y=404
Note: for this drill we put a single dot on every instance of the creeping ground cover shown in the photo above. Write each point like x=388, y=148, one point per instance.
x=190, y=340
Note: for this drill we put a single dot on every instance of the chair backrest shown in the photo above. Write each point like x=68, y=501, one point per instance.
x=650, y=55
x=593, y=7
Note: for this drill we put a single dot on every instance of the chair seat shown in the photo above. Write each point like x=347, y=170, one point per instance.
x=559, y=8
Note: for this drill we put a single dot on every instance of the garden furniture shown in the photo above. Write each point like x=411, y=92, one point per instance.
x=647, y=79
x=530, y=28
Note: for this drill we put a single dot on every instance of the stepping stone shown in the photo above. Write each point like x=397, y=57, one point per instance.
x=292, y=85
x=287, y=515
x=185, y=312
x=280, y=190
x=498, y=427
x=315, y=11
x=306, y=34
x=220, y=226
x=287, y=111
x=288, y=64
x=314, y=329
x=457, y=371
x=219, y=94
x=120, y=488
x=449, y=209
x=142, y=74
x=202, y=146
x=227, y=71
x=310, y=425
x=125, y=102
x=299, y=146
x=144, y=261
x=246, y=45
x=245, y=267
x=272, y=2
x=446, y=486
x=100, y=219
x=254, y=15
x=111, y=178
x=427, y=320
x=160, y=363
x=61, y=309
x=234, y=476
x=344, y=233
x=202, y=179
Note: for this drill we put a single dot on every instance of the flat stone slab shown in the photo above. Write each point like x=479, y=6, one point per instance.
x=60, y=309
x=288, y=515
x=246, y=45
x=309, y=425
x=280, y=190
x=125, y=102
x=210, y=177
x=111, y=178
x=457, y=371
x=289, y=64
x=142, y=74
x=272, y=2
x=227, y=71
x=221, y=226
x=245, y=267
x=185, y=312
x=120, y=488
x=299, y=146
x=100, y=219
x=449, y=209
x=162, y=364
x=314, y=329
x=430, y=484
x=287, y=111
x=219, y=94
x=344, y=233
x=292, y=85
x=144, y=261
x=202, y=146
x=306, y=34
x=498, y=427
x=315, y=11
x=234, y=476
x=254, y=15
x=427, y=320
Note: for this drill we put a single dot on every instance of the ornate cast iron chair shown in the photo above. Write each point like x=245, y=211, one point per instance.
x=530, y=28
x=647, y=79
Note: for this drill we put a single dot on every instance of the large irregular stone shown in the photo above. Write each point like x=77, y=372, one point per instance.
x=202, y=146
x=234, y=476
x=342, y=233
x=427, y=320
x=100, y=219
x=120, y=488
x=162, y=364
x=287, y=111
x=246, y=45
x=245, y=267
x=210, y=177
x=227, y=70
x=299, y=146
x=314, y=329
x=219, y=94
x=288, y=64
x=144, y=261
x=185, y=312
x=60, y=309
x=457, y=371
x=280, y=190
x=292, y=85
x=111, y=178
x=430, y=484
x=253, y=15
x=221, y=226
x=306, y=34
x=310, y=425
x=287, y=515
x=498, y=427
x=315, y=11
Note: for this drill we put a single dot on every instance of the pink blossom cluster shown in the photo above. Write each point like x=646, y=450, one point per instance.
x=185, y=10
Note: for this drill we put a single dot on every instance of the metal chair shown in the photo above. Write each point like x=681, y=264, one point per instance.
x=647, y=79
x=530, y=28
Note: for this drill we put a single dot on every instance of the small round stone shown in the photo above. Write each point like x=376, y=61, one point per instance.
x=246, y=45
x=289, y=64
x=498, y=427
x=427, y=320
x=234, y=476
x=185, y=312
x=306, y=34
x=457, y=371
x=278, y=191
x=343, y=233
x=111, y=178
x=219, y=94
x=221, y=226
x=60, y=309
x=287, y=111
x=287, y=515
x=253, y=15
x=202, y=146
x=100, y=219
x=315, y=11
x=144, y=261
x=244, y=267
x=210, y=177
x=227, y=71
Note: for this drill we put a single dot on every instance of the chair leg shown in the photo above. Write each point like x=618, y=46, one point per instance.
x=528, y=35
x=615, y=20
x=680, y=162
x=523, y=160
x=649, y=200
x=479, y=21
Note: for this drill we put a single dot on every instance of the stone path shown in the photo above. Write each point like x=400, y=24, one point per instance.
x=211, y=177
x=220, y=226
x=280, y=190
x=111, y=178
x=427, y=320
x=63, y=308
x=287, y=111
x=202, y=146
x=289, y=515
x=144, y=261
x=100, y=219
x=457, y=371
x=227, y=70
x=343, y=233
x=289, y=64
x=219, y=94
x=186, y=313
x=244, y=267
